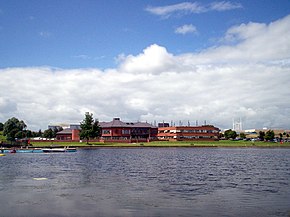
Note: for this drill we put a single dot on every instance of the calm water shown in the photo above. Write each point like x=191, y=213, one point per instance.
x=147, y=182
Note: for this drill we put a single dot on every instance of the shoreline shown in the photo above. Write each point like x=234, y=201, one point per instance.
x=152, y=146
x=158, y=144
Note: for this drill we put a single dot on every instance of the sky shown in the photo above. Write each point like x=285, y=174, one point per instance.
x=173, y=61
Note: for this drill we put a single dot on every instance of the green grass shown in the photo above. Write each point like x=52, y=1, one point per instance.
x=222, y=143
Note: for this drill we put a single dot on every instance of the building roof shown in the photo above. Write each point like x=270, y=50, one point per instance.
x=65, y=131
x=204, y=127
x=143, y=124
x=116, y=122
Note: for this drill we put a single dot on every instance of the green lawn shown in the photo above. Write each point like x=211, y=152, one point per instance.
x=221, y=143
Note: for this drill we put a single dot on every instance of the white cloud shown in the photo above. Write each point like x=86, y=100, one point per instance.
x=191, y=8
x=185, y=7
x=154, y=59
x=185, y=29
x=247, y=78
x=82, y=56
x=87, y=57
x=224, y=6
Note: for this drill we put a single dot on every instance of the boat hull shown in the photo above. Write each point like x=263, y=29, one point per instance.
x=44, y=150
x=50, y=150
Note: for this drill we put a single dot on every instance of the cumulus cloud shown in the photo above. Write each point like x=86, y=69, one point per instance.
x=153, y=60
x=251, y=42
x=7, y=107
x=191, y=8
x=246, y=75
x=187, y=28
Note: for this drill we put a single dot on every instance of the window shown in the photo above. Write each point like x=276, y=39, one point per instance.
x=106, y=131
x=126, y=131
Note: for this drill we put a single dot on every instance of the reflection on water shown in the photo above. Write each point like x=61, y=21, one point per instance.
x=147, y=182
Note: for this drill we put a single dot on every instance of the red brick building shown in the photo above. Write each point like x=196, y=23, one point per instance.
x=68, y=134
x=119, y=131
x=184, y=133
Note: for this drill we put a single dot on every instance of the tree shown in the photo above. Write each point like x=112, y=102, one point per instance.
x=1, y=126
x=261, y=135
x=56, y=130
x=242, y=135
x=270, y=135
x=230, y=134
x=20, y=135
x=13, y=128
x=281, y=136
x=89, y=127
x=48, y=134
x=28, y=133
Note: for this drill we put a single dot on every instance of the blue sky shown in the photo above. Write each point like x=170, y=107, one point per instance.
x=77, y=34
x=146, y=60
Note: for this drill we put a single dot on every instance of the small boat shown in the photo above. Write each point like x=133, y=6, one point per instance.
x=46, y=150
x=49, y=150
x=71, y=149
x=1, y=155
x=37, y=150
x=24, y=151
x=29, y=151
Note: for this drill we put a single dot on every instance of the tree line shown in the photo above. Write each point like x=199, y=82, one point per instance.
x=14, y=129
x=262, y=136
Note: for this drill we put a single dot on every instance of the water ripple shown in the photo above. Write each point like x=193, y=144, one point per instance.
x=147, y=182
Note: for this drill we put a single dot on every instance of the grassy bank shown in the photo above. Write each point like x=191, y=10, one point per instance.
x=222, y=143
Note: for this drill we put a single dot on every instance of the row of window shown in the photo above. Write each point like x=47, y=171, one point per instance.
x=125, y=138
x=126, y=131
x=195, y=137
x=189, y=131
x=186, y=137
x=198, y=131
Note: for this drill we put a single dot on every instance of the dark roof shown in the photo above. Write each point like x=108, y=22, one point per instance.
x=116, y=122
x=65, y=131
x=143, y=124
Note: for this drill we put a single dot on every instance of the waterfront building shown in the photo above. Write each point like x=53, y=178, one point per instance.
x=186, y=133
x=129, y=132
x=119, y=131
x=70, y=133
x=115, y=131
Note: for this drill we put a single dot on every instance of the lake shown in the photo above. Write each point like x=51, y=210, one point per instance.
x=147, y=182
